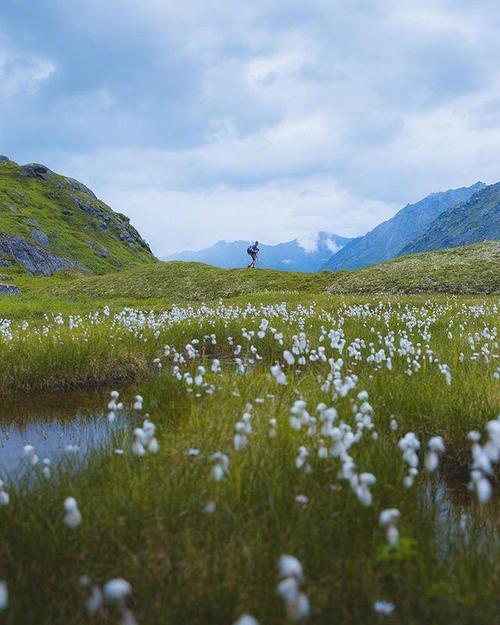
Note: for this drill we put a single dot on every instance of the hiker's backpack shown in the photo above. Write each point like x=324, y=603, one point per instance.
x=249, y=250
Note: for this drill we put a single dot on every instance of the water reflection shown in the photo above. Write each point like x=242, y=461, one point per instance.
x=56, y=424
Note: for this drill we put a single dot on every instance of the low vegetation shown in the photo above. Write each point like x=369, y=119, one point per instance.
x=472, y=269
x=306, y=430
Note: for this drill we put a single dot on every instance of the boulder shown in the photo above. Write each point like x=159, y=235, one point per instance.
x=35, y=260
x=104, y=252
x=89, y=208
x=9, y=289
x=36, y=170
x=40, y=237
x=77, y=186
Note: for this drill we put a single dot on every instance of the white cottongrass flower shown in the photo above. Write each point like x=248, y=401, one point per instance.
x=117, y=590
x=210, y=507
x=389, y=519
x=302, y=499
x=138, y=402
x=94, y=602
x=289, y=357
x=73, y=517
x=4, y=595
x=46, y=468
x=483, y=459
x=278, y=375
x=246, y=619
x=145, y=439
x=296, y=602
x=289, y=566
x=436, y=447
x=386, y=608
x=30, y=453
x=4, y=495
x=221, y=465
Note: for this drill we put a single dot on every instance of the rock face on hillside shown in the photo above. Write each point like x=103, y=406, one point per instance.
x=9, y=289
x=50, y=223
x=474, y=221
x=390, y=237
x=35, y=260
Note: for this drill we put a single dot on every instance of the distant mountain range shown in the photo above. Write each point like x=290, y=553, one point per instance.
x=445, y=219
x=473, y=221
x=289, y=256
x=389, y=238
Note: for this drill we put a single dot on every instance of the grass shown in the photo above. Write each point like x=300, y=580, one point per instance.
x=468, y=270
x=144, y=518
x=27, y=203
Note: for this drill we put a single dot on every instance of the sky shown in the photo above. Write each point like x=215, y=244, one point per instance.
x=205, y=120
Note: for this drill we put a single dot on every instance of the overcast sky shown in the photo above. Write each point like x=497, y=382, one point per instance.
x=206, y=120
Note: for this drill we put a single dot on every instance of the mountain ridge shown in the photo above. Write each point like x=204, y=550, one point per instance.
x=473, y=221
x=285, y=256
x=388, y=238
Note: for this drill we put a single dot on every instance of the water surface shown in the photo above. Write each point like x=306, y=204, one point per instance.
x=56, y=424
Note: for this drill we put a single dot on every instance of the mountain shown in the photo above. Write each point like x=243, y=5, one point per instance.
x=390, y=237
x=473, y=221
x=289, y=256
x=50, y=223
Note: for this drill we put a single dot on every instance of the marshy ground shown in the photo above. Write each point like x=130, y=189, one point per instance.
x=360, y=437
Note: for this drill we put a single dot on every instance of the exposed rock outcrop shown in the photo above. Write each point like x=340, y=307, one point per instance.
x=35, y=260
x=47, y=221
x=40, y=237
x=36, y=170
x=9, y=289
x=77, y=186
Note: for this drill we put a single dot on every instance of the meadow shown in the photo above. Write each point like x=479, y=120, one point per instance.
x=283, y=458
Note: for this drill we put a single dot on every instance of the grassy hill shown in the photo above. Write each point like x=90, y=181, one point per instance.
x=49, y=222
x=472, y=269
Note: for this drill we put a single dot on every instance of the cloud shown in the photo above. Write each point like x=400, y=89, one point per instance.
x=22, y=74
x=332, y=246
x=208, y=120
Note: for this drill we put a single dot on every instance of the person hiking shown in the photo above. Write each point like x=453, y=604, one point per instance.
x=253, y=251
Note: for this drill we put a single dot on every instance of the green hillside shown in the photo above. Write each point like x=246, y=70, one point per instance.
x=50, y=223
x=472, y=269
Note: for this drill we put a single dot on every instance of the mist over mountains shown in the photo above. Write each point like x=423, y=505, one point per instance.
x=288, y=256
x=440, y=220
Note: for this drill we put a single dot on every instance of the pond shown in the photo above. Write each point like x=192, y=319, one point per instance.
x=56, y=424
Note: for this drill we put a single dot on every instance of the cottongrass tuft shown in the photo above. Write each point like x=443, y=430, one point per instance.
x=73, y=517
x=389, y=519
x=296, y=602
x=246, y=619
x=386, y=608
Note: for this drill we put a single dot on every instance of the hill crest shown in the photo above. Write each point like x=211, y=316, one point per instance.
x=50, y=223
